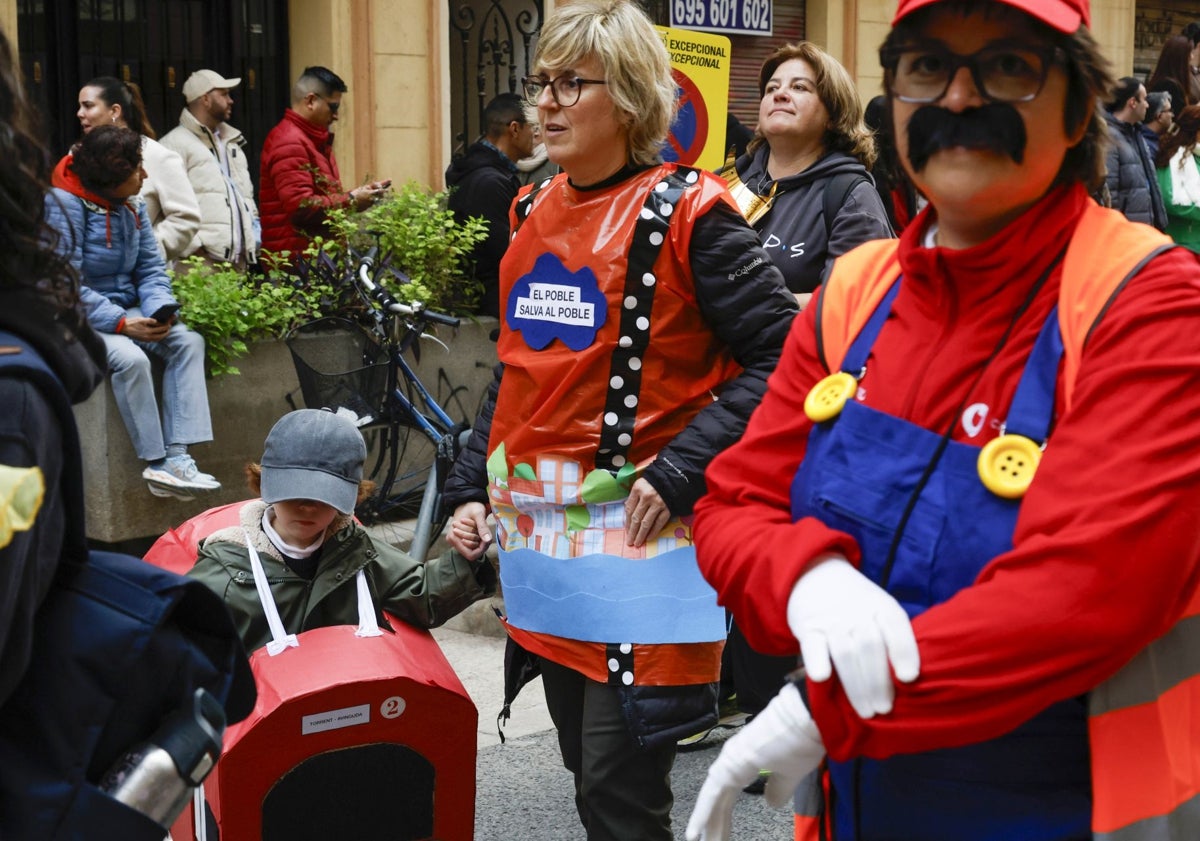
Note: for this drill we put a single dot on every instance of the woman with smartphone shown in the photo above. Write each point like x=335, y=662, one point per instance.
x=105, y=232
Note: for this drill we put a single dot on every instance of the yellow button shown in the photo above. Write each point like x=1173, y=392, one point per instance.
x=1007, y=464
x=827, y=397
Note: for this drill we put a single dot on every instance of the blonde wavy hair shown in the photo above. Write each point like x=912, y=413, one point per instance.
x=847, y=132
x=636, y=65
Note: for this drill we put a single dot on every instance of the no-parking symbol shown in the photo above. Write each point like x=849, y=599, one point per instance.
x=700, y=63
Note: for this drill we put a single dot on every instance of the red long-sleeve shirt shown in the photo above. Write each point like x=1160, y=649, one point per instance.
x=1107, y=544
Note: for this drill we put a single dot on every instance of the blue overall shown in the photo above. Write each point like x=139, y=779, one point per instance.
x=859, y=475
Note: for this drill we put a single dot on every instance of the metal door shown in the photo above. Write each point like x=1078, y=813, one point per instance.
x=491, y=48
x=157, y=44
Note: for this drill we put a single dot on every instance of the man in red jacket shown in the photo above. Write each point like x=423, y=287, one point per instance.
x=969, y=496
x=298, y=172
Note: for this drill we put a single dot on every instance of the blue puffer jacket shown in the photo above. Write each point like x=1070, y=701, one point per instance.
x=113, y=250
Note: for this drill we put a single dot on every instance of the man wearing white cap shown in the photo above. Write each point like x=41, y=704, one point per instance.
x=214, y=155
x=968, y=499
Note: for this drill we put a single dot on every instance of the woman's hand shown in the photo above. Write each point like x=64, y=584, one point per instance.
x=469, y=533
x=645, y=513
x=145, y=329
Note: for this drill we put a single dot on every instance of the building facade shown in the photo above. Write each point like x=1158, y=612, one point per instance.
x=419, y=71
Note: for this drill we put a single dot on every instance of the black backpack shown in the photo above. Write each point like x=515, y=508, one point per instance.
x=118, y=645
x=837, y=190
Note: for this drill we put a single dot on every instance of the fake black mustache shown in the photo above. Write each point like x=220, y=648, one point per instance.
x=996, y=126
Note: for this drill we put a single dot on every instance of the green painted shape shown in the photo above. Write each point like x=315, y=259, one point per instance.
x=578, y=518
x=497, y=464
x=524, y=471
x=601, y=486
x=626, y=475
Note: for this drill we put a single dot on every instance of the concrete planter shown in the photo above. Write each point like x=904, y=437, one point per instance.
x=244, y=407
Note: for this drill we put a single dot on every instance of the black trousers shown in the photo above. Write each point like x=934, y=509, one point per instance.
x=622, y=792
x=757, y=678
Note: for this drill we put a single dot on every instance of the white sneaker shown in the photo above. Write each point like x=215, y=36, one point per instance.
x=182, y=496
x=180, y=473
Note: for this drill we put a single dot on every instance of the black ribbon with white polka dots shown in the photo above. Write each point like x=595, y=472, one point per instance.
x=625, y=369
x=619, y=658
x=525, y=204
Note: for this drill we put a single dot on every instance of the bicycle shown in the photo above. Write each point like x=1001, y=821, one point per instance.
x=372, y=379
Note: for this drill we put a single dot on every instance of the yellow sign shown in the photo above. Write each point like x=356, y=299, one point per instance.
x=700, y=63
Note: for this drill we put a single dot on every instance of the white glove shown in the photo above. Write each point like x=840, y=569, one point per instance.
x=843, y=620
x=782, y=739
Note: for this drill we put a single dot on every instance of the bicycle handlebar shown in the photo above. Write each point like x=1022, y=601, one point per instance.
x=385, y=299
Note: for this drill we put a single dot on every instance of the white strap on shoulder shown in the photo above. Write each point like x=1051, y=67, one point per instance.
x=368, y=625
x=280, y=640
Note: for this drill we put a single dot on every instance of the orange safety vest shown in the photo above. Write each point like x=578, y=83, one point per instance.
x=1144, y=721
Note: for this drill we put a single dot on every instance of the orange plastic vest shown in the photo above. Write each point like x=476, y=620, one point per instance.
x=1144, y=722
x=552, y=400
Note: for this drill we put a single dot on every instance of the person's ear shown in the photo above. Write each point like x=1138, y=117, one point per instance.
x=1076, y=136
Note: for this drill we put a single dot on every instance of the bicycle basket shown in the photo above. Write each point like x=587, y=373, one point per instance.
x=342, y=367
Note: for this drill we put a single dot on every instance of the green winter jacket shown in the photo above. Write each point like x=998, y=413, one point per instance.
x=425, y=595
x=1183, y=220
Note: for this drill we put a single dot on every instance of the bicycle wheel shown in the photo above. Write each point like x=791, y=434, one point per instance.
x=406, y=455
x=431, y=516
x=405, y=458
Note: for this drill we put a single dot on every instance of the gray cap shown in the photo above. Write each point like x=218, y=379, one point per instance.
x=313, y=454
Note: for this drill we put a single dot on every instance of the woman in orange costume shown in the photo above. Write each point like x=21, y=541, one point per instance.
x=639, y=321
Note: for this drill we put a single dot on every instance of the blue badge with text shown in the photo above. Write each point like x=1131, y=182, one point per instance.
x=551, y=302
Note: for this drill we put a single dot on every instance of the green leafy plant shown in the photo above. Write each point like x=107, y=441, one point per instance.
x=416, y=232
x=231, y=309
x=418, y=235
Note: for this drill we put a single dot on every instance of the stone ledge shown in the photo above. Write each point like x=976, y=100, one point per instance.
x=244, y=408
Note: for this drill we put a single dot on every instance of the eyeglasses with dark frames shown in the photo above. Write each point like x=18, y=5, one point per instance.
x=1002, y=72
x=564, y=89
x=333, y=106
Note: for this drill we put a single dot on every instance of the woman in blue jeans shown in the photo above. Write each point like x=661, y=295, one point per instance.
x=124, y=284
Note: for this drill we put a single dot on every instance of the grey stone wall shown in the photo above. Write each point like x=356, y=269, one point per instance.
x=244, y=407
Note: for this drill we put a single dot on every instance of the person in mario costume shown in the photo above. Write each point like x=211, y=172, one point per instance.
x=969, y=497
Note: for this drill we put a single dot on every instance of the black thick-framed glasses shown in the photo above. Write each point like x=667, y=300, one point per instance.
x=333, y=106
x=564, y=89
x=1004, y=72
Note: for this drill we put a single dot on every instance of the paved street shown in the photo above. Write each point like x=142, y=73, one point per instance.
x=522, y=791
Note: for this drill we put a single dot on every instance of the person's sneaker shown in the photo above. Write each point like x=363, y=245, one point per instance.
x=760, y=783
x=182, y=496
x=728, y=713
x=179, y=473
x=728, y=716
x=689, y=742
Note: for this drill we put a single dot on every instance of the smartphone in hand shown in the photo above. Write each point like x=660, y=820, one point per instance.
x=163, y=314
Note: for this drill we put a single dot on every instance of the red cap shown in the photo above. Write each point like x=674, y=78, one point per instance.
x=1063, y=15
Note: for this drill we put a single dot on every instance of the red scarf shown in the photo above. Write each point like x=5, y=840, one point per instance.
x=64, y=178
